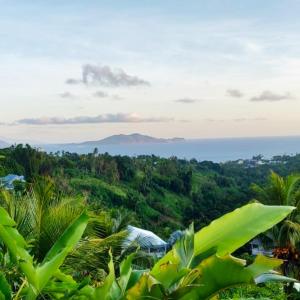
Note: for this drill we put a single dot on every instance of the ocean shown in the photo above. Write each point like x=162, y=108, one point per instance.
x=216, y=150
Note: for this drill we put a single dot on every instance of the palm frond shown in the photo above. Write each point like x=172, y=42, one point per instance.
x=289, y=234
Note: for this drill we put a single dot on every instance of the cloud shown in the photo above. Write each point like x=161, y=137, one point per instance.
x=100, y=94
x=269, y=96
x=248, y=119
x=67, y=95
x=73, y=81
x=105, y=76
x=237, y=120
x=106, y=118
x=186, y=100
x=116, y=97
x=235, y=93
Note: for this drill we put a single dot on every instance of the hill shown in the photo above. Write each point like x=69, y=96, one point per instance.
x=134, y=138
x=164, y=195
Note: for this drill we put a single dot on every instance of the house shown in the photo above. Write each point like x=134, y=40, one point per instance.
x=257, y=247
x=174, y=237
x=147, y=240
x=8, y=181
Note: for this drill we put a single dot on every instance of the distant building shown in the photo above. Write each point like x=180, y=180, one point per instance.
x=258, y=248
x=297, y=286
x=147, y=240
x=8, y=181
x=174, y=237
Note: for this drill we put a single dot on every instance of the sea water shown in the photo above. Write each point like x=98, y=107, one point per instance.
x=217, y=150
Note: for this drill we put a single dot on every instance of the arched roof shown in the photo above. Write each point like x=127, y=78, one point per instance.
x=144, y=237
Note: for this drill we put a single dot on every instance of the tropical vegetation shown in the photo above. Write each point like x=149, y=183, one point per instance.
x=199, y=266
x=63, y=232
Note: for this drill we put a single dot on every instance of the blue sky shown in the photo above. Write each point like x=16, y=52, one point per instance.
x=82, y=70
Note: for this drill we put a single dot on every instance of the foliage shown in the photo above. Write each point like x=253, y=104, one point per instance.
x=267, y=291
x=39, y=275
x=286, y=235
x=41, y=215
x=158, y=194
x=191, y=270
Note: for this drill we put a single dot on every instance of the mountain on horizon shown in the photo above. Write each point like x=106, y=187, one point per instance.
x=134, y=138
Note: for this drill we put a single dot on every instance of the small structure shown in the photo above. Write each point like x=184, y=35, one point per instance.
x=8, y=181
x=174, y=237
x=258, y=248
x=147, y=240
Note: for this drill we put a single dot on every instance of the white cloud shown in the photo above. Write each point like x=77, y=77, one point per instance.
x=106, y=118
x=105, y=76
x=186, y=100
x=67, y=95
x=235, y=93
x=100, y=94
x=270, y=96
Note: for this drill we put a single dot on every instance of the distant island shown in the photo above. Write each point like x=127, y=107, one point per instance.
x=125, y=139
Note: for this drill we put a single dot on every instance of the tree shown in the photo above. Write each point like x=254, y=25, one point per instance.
x=286, y=235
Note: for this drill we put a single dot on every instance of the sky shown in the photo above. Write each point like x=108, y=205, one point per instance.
x=82, y=70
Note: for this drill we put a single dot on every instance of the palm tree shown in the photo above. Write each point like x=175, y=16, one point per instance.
x=103, y=235
x=42, y=214
x=286, y=235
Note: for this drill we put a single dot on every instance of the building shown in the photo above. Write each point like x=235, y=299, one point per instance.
x=257, y=247
x=147, y=240
x=8, y=181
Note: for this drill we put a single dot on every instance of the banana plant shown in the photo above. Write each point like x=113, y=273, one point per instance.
x=39, y=275
x=200, y=265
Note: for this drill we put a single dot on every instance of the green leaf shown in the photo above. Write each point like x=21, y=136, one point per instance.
x=106, y=290
x=17, y=246
x=5, y=289
x=230, y=232
x=263, y=264
x=125, y=272
x=57, y=254
x=169, y=274
x=184, y=248
x=217, y=273
x=235, y=229
x=5, y=219
x=146, y=288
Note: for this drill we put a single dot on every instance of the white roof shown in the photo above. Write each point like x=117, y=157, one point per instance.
x=146, y=237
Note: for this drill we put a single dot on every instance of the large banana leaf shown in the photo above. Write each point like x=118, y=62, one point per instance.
x=106, y=291
x=39, y=276
x=208, y=279
x=198, y=266
x=146, y=288
x=217, y=273
x=235, y=229
x=17, y=246
x=231, y=231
